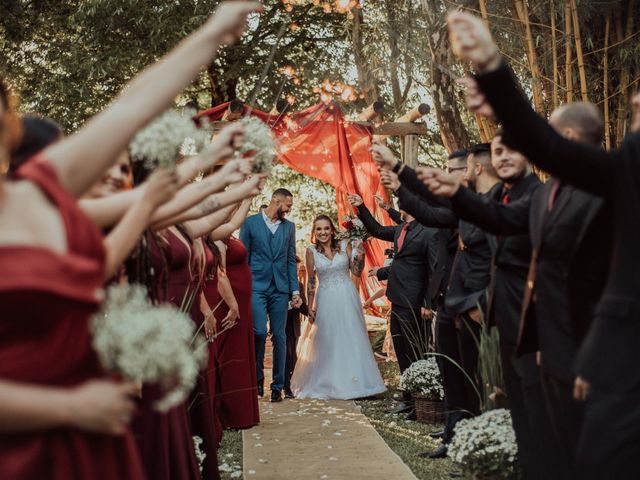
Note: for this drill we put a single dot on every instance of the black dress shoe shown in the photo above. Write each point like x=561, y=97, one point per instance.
x=436, y=435
x=288, y=393
x=276, y=396
x=440, y=452
x=412, y=415
x=261, y=389
x=401, y=408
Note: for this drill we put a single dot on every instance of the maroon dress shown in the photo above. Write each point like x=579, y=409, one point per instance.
x=165, y=439
x=202, y=401
x=46, y=301
x=235, y=358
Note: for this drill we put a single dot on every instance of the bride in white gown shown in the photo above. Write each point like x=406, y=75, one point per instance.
x=335, y=359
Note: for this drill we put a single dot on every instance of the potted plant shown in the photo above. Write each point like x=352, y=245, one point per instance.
x=485, y=446
x=422, y=380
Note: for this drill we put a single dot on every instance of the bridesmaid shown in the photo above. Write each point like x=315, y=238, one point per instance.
x=237, y=395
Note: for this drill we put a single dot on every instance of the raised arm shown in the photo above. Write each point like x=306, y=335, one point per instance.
x=424, y=213
x=585, y=166
x=234, y=224
x=81, y=159
x=356, y=262
x=371, y=224
x=392, y=212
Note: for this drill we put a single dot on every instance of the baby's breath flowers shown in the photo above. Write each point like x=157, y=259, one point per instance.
x=154, y=344
x=423, y=378
x=485, y=446
x=160, y=143
x=259, y=142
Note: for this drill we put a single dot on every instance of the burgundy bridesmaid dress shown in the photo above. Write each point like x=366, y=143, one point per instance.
x=165, y=439
x=46, y=301
x=237, y=393
x=202, y=401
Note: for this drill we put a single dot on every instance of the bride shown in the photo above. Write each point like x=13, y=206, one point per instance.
x=335, y=359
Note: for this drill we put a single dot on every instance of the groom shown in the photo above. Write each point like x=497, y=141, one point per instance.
x=271, y=243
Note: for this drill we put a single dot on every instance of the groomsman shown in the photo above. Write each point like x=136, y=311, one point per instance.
x=571, y=235
x=407, y=280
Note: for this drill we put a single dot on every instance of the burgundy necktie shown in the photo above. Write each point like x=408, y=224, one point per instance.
x=553, y=194
x=402, y=236
x=506, y=199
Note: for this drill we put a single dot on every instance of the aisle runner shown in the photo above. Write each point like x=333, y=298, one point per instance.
x=322, y=440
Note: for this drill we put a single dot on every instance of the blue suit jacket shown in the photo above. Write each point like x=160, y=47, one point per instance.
x=271, y=256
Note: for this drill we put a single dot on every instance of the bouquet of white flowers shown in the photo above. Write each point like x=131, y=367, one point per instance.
x=353, y=229
x=160, y=143
x=485, y=446
x=154, y=344
x=259, y=142
x=423, y=378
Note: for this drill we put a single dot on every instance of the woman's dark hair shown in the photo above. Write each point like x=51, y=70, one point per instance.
x=334, y=240
x=37, y=134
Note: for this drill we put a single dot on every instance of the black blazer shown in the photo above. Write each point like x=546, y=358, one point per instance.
x=608, y=356
x=409, y=273
x=470, y=271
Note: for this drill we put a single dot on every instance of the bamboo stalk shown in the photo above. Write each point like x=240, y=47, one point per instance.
x=605, y=68
x=554, y=54
x=484, y=12
x=579, y=57
x=568, y=51
x=522, y=12
x=624, y=82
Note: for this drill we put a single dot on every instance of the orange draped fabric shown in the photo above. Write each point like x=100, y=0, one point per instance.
x=320, y=143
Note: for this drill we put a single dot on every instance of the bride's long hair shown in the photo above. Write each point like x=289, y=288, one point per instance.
x=334, y=232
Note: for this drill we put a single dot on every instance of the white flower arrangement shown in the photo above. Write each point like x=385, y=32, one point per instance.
x=260, y=142
x=150, y=343
x=200, y=455
x=160, y=143
x=423, y=378
x=486, y=445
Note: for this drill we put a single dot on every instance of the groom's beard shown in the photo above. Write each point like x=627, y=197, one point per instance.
x=280, y=214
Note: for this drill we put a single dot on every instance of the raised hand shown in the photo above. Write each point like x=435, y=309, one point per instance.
x=224, y=145
x=235, y=171
x=102, y=406
x=383, y=156
x=229, y=21
x=475, y=99
x=381, y=203
x=471, y=41
x=355, y=200
x=439, y=182
x=160, y=188
x=373, y=272
x=389, y=179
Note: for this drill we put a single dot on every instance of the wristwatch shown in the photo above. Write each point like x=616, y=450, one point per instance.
x=396, y=168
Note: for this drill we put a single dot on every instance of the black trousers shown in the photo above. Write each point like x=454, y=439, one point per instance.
x=456, y=398
x=407, y=329
x=537, y=445
x=468, y=345
x=609, y=444
x=293, y=334
x=567, y=416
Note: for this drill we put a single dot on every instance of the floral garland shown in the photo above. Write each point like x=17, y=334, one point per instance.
x=423, y=378
x=149, y=343
x=486, y=445
x=259, y=142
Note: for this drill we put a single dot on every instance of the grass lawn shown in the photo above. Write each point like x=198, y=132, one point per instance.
x=404, y=437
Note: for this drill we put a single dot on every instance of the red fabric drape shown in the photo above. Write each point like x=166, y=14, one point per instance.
x=319, y=142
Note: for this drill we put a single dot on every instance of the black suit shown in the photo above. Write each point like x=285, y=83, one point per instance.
x=292, y=330
x=610, y=439
x=407, y=281
x=510, y=265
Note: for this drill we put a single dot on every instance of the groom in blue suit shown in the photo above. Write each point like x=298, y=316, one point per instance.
x=271, y=242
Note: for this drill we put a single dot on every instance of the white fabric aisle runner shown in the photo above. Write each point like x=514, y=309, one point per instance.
x=315, y=439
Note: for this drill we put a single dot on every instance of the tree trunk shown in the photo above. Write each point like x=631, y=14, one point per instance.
x=554, y=55
x=366, y=80
x=568, y=51
x=522, y=12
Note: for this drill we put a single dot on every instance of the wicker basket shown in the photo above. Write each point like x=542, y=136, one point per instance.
x=429, y=411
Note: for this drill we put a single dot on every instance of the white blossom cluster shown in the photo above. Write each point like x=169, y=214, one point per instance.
x=486, y=445
x=423, y=378
x=159, y=144
x=154, y=344
x=200, y=455
x=260, y=142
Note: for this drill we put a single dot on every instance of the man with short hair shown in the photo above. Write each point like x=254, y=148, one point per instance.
x=270, y=240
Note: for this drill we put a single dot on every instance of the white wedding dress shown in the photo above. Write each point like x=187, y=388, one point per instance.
x=335, y=359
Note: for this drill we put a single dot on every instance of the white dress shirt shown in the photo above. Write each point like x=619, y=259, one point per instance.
x=271, y=225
